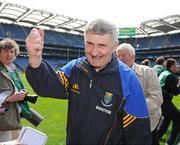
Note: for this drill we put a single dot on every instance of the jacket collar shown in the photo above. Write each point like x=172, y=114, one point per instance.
x=137, y=69
x=111, y=67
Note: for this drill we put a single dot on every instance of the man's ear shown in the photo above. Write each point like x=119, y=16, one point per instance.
x=134, y=57
x=116, y=45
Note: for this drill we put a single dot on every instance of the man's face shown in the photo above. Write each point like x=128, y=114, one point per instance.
x=99, y=49
x=7, y=56
x=174, y=68
x=126, y=57
x=164, y=64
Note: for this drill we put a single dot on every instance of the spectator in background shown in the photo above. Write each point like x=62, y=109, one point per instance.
x=150, y=84
x=10, y=85
x=146, y=62
x=160, y=65
x=169, y=82
x=97, y=113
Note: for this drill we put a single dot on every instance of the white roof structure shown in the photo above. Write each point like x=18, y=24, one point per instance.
x=21, y=15
x=13, y=13
x=163, y=25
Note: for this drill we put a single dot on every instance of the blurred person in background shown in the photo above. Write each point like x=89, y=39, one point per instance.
x=160, y=65
x=170, y=88
x=10, y=94
x=98, y=112
x=146, y=62
x=150, y=83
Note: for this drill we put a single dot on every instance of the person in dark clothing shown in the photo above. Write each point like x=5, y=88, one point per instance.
x=169, y=82
x=98, y=112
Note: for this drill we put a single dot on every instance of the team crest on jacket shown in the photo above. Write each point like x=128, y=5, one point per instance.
x=107, y=100
x=75, y=88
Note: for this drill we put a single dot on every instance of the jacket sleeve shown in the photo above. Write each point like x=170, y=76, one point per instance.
x=136, y=122
x=136, y=130
x=171, y=85
x=154, y=97
x=46, y=82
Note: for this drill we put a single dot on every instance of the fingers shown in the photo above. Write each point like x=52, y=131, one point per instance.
x=41, y=32
x=18, y=96
x=34, y=42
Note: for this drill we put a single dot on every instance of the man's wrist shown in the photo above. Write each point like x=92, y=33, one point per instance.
x=35, y=62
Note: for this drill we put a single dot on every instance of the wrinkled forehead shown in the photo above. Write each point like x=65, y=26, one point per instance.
x=122, y=51
x=100, y=33
x=107, y=38
x=97, y=33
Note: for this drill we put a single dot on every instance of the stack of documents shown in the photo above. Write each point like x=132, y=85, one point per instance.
x=28, y=136
x=31, y=136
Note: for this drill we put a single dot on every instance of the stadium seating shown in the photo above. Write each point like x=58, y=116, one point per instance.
x=19, y=33
x=62, y=47
x=173, y=40
x=13, y=31
x=21, y=63
x=159, y=41
x=139, y=43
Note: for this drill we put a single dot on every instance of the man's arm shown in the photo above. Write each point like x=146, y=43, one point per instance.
x=40, y=75
x=137, y=130
x=45, y=82
x=136, y=120
x=171, y=85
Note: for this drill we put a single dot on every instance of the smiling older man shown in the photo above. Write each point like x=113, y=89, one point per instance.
x=106, y=102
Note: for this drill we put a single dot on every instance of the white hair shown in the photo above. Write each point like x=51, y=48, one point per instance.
x=101, y=26
x=127, y=46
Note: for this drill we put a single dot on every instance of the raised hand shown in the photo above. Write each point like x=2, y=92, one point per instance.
x=34, y=45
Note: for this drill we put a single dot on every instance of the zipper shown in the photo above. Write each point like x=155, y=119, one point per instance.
x=123, y=99
x=90, y=84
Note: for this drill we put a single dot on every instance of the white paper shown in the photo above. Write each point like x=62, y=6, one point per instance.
x=13, y=142
x=31, y=136
x=3, y=96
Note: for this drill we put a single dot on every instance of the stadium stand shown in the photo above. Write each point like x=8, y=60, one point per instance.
x=21, y=63
x=13, y=31
x=173, y=40
x=151, y=47
x=64, y=35
x=159, y=42
x=142, y=43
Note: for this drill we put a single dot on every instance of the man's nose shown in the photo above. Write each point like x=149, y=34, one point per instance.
x=94, y=51
x=9, y=53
